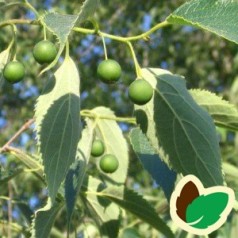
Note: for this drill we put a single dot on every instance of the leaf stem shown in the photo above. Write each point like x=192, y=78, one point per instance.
x=149, y=32
x=11, y=44
x=144, y=35
x=137, y=66
x=18, y=21
x=29, y=162
x=104, y=47
x=14, y=40
x=88, y=113
x=44, y=32
x=14, y=226
x=9, y=209
x=27, y=4
x=4, y=198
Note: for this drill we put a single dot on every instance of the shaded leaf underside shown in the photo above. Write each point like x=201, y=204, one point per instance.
x=184, y=130
x=137, y=205
x=151, y=161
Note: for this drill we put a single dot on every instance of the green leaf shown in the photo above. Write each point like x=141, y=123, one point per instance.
x=233, y=92
x=61, y=26
x=205, y=210
x=230, y=171
x=4, y=55
x=217, y=16
x=18, y=229
x=25, y=211
x=44, y=220
x=152, y=162
x=130, y=233
x=182, y=234
x=6, y=176
x=76, y=173
x=105, y=214
x=137, y=205
x=4, y=6
x=234, y=226
x=110, y=133
x=29, y=161
x=185, y=131
x=58, y=126
x=223, y=113
x=88, y=8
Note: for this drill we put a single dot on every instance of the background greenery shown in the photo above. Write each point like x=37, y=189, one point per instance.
x=206, y=60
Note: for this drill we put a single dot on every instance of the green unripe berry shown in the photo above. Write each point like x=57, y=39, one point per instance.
x=140, y=92
x=109, y=71
x=97, y=148
x=14, y=72
x=109, y=163
x=44, y=52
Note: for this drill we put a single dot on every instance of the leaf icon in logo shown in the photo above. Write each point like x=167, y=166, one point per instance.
x=204, y=211
x=200, y=210
x=188, y=193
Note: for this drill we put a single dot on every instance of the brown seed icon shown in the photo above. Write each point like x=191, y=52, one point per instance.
x=187, y=195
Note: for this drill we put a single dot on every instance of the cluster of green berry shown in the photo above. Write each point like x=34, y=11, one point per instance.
x=44, y=52
x=140, y=91
x=108, y=162
x=109, y=71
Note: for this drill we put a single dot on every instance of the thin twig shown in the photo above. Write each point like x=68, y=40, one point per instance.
x=9, y=210
x=27, y=4
x=18, y=133
x=144, y=35
x=18, y=21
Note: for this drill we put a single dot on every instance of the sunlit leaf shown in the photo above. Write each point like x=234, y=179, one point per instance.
x=223, y=113
x=29, y=161
x=57, y=117
x=61, y=25
x=110, y=133
x=88, y=8
x=172, y=120
x=217, y=16
x=4, y=55
x=105, y=214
